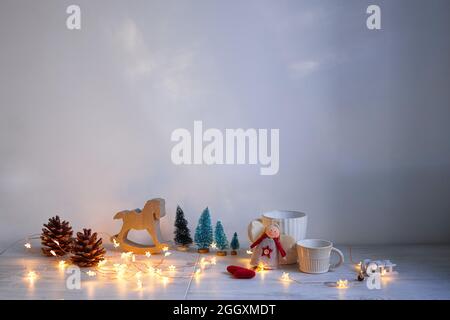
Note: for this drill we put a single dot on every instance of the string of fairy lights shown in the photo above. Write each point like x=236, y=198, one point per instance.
x=130, y=267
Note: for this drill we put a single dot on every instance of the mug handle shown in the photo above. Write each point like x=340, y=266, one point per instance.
x=341, y=258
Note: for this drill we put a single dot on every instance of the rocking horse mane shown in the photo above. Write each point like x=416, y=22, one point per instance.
x=154, y=206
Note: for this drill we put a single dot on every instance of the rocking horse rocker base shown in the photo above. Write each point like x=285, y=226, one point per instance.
x=137, y=248
x=144, y=219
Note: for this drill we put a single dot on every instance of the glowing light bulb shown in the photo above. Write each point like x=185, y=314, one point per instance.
x=158, y=271
x=139, y=284
x=260, y=267
x=102, y=263
x=213, y=260
x=148, y=254
x=213, y=245
x=172, y=268
x=165, y=280
x=165, y=248
x=249, y=252
x=116, y=243
x=91, y=273
x=62, y=264
x=197, y=272
x=167, y=254
x=27, y=245
x=138, y=274
x=133, y=258
x=121, y=269
x=342, y=284
x=285, y=277
x=120, y=273
x=126, y=255
x=151, y=270
x=31, y=276
x=203, y=263
x=53, y=253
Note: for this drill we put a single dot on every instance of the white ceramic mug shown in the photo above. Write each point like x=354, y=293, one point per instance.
x=314, y=255
x=291, y=223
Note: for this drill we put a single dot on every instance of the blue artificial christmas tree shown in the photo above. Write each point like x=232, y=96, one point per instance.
x=234, y=244
x=220, y=239
x=204, y=232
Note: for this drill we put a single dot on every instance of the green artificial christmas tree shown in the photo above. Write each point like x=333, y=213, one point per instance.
x=204, y=232
x=220, y=239
x=234, y=244
x=182, y=233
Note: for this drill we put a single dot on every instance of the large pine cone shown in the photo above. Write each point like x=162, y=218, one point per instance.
x=87, y=250
x=56, y=237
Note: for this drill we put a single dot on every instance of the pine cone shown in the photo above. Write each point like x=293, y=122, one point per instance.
x=56, y=237
x=87, y=250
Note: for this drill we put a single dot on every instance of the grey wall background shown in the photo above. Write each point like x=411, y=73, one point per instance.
x=86, y=116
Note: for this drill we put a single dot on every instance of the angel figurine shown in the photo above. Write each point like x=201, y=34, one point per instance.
x=267, y=249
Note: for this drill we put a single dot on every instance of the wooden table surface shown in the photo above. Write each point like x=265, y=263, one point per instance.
x=423, y=273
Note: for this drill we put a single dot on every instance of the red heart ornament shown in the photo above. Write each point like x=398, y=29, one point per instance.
x=244, y=273
x=233, y=269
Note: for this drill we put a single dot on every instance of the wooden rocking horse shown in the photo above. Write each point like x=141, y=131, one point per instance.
x=145, y=219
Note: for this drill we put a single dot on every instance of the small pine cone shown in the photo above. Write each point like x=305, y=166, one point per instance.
x=87, y=250
x=56, y=237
